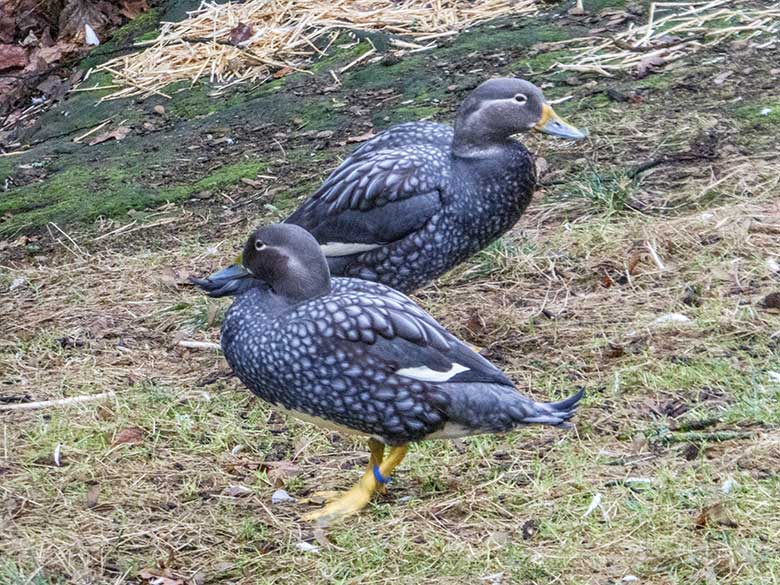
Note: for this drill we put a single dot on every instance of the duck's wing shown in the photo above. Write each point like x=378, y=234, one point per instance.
x=375, y=197
x=409, y=341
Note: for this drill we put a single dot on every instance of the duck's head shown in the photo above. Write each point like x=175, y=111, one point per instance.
x=502, y=107
x=284, y=257
x=289, y=259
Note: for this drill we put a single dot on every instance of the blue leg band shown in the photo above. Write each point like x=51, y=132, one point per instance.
x=379, y=477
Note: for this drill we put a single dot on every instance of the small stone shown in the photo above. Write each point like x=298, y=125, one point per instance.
x=159, y=110
x=281, y=497
x=17, y=282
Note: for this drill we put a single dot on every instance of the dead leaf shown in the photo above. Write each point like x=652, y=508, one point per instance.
x=159, y=577
x=53, y=87
x=99, y=15
x=542, y=167
x=282, y=72
x=279, y=471
x=648, y=65
x=116, y=134
x=240, y=33
x=129, y=436
x=633, y=261
x=368, y=135
x=132, y=8
x=7, y=24
x=237, y=491
x=771, y=301
x=92, y=496
x=173, y=278
x=12, y=57
x=252, y=183
x=721, y=78
x=714, y=515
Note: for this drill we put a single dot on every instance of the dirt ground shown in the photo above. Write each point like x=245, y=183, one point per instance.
x=647, y=270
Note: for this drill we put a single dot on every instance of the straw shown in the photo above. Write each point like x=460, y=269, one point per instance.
x=285, y=36
x=669, y=36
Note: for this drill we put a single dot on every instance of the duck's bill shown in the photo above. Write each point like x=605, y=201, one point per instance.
x=552, y=124
x=229, y=281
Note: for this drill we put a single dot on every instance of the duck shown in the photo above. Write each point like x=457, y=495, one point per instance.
x=421, y=197
x=361, y=358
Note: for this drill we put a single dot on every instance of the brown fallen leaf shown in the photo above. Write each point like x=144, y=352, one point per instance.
x=12, y=57
x=648, y=65
x=282, y=72
x=159, y=577
x=368, y=135
x=771, y=301
x=132, y=8
x=237, y=491
x=116, y=134
x=129, y=436
x=7, y=24
x=633, y=261
x=279, y=471
x=240, y=33
x=714, y=515
x=100, y=15
x=93, y=495
x=722, y=77
x=173, y=278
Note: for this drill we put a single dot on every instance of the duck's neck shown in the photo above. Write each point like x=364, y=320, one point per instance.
x=473, y=138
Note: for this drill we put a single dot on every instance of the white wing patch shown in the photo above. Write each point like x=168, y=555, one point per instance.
x=426, y=374
x=346, y=249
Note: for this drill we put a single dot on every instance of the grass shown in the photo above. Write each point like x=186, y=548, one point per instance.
x=609, y=192
x=571, y=297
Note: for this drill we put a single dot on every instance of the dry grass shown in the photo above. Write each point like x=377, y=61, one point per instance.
x=678, y=437
x=284, y=35
x=512, y=505
x=675, y=30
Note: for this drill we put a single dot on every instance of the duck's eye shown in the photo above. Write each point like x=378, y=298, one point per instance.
x=521, y=98
x=259, y=245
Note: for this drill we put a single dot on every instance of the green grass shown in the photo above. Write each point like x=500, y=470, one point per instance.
x=610, y=192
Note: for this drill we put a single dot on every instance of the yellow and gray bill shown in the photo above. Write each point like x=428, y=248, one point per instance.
x=551, y=123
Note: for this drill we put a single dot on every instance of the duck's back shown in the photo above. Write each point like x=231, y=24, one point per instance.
x=408, y=134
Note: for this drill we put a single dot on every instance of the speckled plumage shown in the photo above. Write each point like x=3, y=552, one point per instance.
x=427, y=208
x=419, y=198
x=362, y=356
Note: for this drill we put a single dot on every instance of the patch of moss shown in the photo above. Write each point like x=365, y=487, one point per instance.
x=541, y=62
x=599, y=5
x=317, y=114
x=141, y=24
x=338, y=56
x=194, y=101
x=406, y=114
x=766, y=113
x=504, y=35
x=81, y=194
x=660, y=80
x=229, y=175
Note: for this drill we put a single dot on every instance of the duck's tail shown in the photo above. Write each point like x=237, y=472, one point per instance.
x=555, y=413
x=497, y=408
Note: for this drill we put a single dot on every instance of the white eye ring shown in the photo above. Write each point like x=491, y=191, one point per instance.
x=521, y=98
x=259, y=245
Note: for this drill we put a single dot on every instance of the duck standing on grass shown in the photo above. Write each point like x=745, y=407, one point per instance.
x=358, y=357
x=419, y=198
